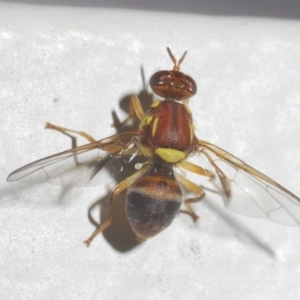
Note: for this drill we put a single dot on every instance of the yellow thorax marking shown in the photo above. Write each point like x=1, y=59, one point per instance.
x=148, y=119
x=155, y=103
x=170, y=155
x=187, y=108
x=154, y=126
x=191, y=132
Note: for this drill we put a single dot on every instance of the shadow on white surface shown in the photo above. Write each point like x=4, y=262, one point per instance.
x=252, y=237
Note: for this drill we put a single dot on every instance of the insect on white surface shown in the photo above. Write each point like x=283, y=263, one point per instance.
x=165, y=139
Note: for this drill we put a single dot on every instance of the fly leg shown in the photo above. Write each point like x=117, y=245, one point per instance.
x=222, y=177
x=135, y=107
x=192, y=186
x=196, y=169
x=67, y=130
x=117, y=190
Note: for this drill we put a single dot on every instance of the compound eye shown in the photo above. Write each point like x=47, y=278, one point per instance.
x=173, y=85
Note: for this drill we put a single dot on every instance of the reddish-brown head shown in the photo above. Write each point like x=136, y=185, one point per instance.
x=173, y=84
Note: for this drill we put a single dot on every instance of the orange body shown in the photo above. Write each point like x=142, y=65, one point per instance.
x=170, y=126
x=167, y=138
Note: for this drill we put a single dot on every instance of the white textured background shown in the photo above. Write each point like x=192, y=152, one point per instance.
x=74, y=65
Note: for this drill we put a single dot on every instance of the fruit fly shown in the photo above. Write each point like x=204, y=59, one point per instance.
x=166, y=140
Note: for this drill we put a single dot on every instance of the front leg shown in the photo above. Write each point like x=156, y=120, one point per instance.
x=135, y=107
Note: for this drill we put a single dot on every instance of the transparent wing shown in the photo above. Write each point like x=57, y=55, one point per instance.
x=248, y=191
x=89, y=164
